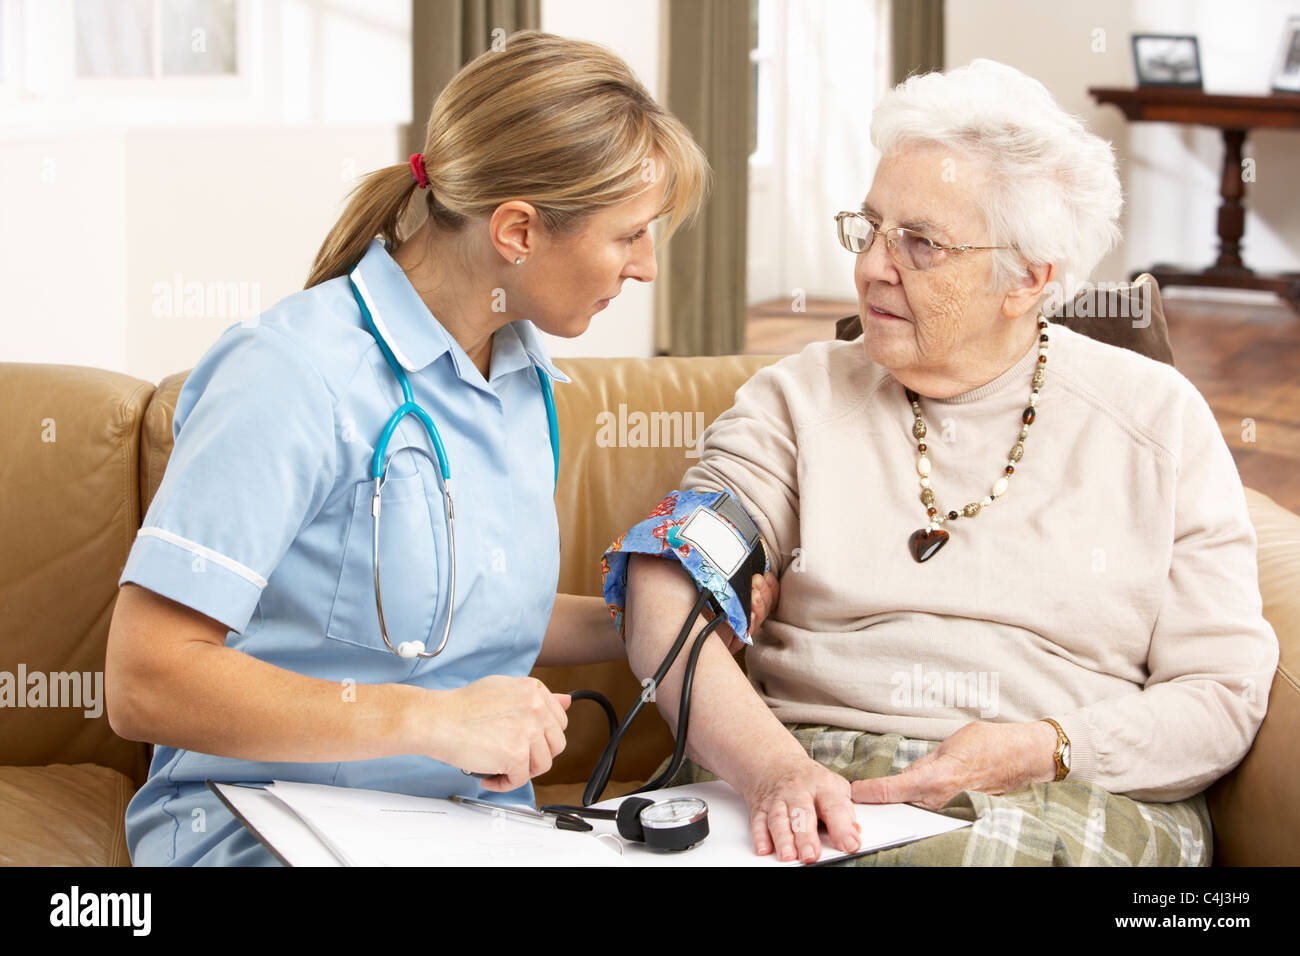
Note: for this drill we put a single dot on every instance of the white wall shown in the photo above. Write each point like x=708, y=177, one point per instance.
x=93, y=225
x=105, y=201
x=277, y=193
x=1170, y=172
x=62, y=254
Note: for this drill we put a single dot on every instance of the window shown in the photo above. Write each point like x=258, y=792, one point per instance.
x=766, y=57
x=73, y=65
x=818, y=70
x=79, y=64
x=151, y=38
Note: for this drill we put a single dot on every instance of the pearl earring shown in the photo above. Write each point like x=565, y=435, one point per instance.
x=519, y=260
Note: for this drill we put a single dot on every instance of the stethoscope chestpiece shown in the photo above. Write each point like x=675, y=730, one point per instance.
x=676, y=824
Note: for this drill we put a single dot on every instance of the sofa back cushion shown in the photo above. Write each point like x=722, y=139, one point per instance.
x=156, y=437
x=70, y=509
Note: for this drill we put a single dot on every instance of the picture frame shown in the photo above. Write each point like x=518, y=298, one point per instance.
x=1161, y=59
x=1286, y=70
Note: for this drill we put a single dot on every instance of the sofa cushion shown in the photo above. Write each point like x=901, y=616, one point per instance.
x=69, y=511
x=63, y=815
x=1132, y=316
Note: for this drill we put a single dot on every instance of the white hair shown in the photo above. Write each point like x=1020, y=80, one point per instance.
x=1053, y=192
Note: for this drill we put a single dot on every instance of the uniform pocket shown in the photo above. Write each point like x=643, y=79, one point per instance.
x=412, y=534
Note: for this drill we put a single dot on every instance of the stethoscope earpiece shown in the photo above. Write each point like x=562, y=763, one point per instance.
x=410, y=648
x=628, y=818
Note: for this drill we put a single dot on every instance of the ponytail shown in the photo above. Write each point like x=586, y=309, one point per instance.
x=376, y=207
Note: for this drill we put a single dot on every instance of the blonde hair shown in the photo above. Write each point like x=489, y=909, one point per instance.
x=562, y=124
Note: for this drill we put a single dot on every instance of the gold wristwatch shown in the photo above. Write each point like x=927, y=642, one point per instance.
x=1062, y=754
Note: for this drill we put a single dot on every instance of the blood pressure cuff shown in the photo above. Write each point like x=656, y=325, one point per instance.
x=712, y=537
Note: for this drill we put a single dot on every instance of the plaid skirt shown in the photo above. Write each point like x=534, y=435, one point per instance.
x=1045, y=824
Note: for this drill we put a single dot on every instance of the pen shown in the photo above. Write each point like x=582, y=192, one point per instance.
x=558, y=821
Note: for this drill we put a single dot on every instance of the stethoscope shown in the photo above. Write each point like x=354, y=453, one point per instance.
x=379, y=474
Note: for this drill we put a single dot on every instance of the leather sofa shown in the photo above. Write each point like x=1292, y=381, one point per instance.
x=84, y=452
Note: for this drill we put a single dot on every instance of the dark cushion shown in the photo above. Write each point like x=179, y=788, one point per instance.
x=1107, y=316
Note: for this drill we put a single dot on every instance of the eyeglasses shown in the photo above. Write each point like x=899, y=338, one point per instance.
x=907, y=248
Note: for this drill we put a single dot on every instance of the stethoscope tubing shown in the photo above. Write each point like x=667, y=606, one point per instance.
x=378, y=473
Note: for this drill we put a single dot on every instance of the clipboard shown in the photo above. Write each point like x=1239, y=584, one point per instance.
x=321, y=825
x=257, y=808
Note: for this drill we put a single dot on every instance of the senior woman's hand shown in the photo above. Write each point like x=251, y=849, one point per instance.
x=988, y=757
x=787, y=799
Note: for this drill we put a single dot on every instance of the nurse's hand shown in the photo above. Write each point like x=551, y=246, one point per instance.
x=511, y=727
x=764, y=591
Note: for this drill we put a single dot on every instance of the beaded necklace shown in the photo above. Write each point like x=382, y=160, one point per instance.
x=925, y=543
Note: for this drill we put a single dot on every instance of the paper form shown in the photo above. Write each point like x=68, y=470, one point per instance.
x=376, y=828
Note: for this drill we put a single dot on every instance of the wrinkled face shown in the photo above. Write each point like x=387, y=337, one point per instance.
x=944, y=321
x=571, y=278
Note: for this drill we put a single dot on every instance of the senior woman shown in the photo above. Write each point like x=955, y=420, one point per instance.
x=1018, y=577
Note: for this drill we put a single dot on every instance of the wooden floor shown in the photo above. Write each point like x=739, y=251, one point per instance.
x=774, y=330
x=1244, y=358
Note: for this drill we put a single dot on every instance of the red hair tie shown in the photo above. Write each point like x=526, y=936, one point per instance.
x=417, y=170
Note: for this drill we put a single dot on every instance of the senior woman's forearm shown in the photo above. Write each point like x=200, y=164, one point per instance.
x=732, y=731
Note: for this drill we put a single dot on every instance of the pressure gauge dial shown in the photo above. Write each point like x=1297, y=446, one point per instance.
x=676, y=824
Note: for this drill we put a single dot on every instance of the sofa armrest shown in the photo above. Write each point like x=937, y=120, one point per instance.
x=1256, y=808
x=69, y=511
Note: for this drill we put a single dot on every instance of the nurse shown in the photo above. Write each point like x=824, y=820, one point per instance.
x=245, y=642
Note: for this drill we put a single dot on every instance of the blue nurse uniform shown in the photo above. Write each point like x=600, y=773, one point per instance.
x=262, y=522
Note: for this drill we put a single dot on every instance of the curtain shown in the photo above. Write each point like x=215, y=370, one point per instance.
x=709, y=90
x=917, y=41
x=447, y=34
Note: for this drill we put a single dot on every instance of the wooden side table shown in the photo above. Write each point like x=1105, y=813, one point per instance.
x=1235, y=115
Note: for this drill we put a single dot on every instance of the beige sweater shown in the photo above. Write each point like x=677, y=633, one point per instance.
x=1113, y=587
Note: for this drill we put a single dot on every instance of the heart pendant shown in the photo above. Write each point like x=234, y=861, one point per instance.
x=925, y=544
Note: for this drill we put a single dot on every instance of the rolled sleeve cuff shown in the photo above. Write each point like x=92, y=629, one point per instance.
x=1083, y=748
x=191, y=574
